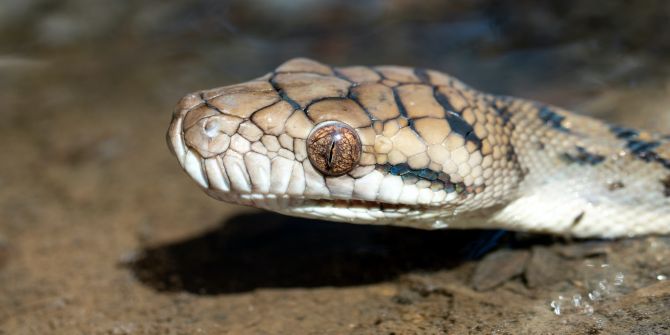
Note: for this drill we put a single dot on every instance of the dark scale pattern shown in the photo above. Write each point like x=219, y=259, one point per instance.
x=463, y=128
x=398, y=102
x=584, y=157
x=645, y=151
x=309, y=104
x=283, y=94
x=641, y=149
x=422, y=75
x=624, y=133
x=504, y=114
x=615, y=185
x=552, y=119
x=444, y=102
x=354, y=97
x=208, y=104
x=403, y=170
x=663, y=161
x=502, y=105
x=511, y=154
x=666, y=186
x=338, y=74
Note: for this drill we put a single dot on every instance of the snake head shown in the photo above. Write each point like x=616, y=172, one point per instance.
x=356, y=144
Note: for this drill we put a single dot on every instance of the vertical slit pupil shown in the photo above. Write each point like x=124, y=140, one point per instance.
x=331, y=153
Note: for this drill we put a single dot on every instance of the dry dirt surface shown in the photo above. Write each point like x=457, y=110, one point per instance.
x=101, y=233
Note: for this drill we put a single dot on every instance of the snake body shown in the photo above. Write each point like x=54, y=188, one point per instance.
x=415, y=147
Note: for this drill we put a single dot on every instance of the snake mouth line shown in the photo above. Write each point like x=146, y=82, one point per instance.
x=285, y=202
x=382, y=206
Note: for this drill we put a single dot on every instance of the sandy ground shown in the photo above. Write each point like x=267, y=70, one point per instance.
x=101, y=233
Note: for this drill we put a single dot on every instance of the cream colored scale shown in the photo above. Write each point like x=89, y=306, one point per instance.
x=413, y=147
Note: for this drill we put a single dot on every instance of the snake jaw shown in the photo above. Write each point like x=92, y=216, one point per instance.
x=340, y=210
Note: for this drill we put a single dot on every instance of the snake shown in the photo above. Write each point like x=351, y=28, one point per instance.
x=415, y=147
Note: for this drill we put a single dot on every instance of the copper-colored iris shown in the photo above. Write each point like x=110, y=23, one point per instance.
x=334, y=148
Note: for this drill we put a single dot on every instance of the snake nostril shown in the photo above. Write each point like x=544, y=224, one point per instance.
x=211, y=129
x=334, y=148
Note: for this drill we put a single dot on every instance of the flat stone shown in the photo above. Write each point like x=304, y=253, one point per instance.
x=499, y=267
x=545, y=268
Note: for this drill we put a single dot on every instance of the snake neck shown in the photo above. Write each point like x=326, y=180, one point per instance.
x=584, y=177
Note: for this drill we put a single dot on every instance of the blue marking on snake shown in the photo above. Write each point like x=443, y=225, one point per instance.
x=584, y=157
x=463, y=128
x=624, y=133
x=404, y=169
x=552, y=119
x=643, y=150
x=406, y=172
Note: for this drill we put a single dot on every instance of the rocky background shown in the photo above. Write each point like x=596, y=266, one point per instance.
x=101, y=233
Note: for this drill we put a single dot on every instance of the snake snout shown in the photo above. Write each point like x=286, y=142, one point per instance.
x=217, y=143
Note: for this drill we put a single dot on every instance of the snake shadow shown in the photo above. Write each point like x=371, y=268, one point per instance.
x=267, y=250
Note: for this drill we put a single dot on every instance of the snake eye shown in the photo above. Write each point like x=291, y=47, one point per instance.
x=334, y=148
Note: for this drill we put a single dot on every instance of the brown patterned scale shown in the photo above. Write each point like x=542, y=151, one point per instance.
x=416, y=147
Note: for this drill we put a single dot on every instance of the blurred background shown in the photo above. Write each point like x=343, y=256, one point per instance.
x=510, y=47
x=100, y=233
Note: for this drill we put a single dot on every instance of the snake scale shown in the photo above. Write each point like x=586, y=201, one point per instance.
x=416, y=147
